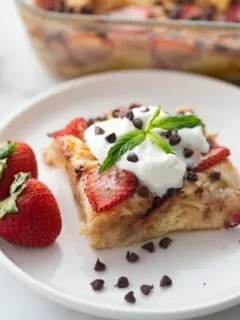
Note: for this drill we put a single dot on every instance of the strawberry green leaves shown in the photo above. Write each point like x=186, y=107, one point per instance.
x=124, y=144
x=6, y=149
x=9, y=204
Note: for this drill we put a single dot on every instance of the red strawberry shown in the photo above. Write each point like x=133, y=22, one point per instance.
x=233, y=221
x=75, y=127
x=216, y=155
x=30, y=216
x=105, y=190
x=15, y=157
x=190, y=11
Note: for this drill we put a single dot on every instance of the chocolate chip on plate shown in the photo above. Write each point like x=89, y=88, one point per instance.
x=129, y=115
x=165, y=242
x=146, y=289
x=166, y=134
x=79, y=171
x=149, y=246
x=132, y=157
x=98, y=131
x=99, y=266
x=111, y=138
x=137, y=122
x=134, y=105
x=143, y=192
x=132, y=257
x=165, y=282
x=187, y=152
x=175, y=139
x=97, y=284
x=122, y=283
x=192, y=176
x=215, y=175
x=129, y=297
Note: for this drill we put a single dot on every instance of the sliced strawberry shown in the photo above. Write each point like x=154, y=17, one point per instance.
x=216, y=155
x=233, y=221
x=107, y=189
x=190, y=11
x=76, y=127
x=233, y=13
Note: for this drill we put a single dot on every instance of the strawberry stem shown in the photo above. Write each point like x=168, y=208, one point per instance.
x=9, y=205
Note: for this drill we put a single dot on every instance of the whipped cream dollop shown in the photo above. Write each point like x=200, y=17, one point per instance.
x=155, y=169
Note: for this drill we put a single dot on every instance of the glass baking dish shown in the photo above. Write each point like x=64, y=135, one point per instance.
x=72, y=45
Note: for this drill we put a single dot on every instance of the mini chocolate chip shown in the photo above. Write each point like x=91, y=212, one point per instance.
x=165, y=242
x=143, y=192
x=87, y=9
x=166, y=134
x=99, y=266
x=129, y=297
x=137, y=123
x=116, y=113
x=149, y=246
x=132, y=157
x=146, y=289
x=156, y=202
x=192, y=176
x=111, y=138
x=97, y=284
x=129, y=115
x=79, y=171
x=122, y=283
x=187, y=153
x=90, y=122
x=134, y=105
x=175, y=139
x=132, y=257
x=165, y=282
x=99, y=131
x=215, y=175
x=145, y=109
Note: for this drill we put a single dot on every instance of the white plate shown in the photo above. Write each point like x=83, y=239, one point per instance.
x=63, y=272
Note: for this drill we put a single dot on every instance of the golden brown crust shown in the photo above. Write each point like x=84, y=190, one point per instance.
x=201, y=205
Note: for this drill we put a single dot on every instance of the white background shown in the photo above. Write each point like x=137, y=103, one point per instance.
x=21, y=77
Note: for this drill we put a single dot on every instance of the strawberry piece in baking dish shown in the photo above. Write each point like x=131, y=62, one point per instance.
x=75, y=128
x=216, y=155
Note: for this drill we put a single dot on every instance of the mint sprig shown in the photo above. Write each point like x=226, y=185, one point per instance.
x=124, y=144
x=134, y=138
x=9, y=205
x=177, y=122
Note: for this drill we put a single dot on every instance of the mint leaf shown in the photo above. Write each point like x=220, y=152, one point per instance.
x=3, y=165
x=123, y=144
x=178, y=122
x=153, y=119
x=160, y=142
x=7, y=148
x=8, y=206
x=18, y=184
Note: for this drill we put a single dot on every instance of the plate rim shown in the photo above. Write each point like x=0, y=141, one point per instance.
x=80, y=303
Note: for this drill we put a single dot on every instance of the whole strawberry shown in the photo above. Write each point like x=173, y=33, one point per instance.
x=15, y=157
x=30, y=216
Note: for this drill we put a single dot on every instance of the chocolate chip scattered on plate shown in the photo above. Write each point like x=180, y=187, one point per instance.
x=146, y=289
x=122, y=283
x=129, y=297
x=137, y=122
x=143, y=192
x=192, y=176
x=132, y=157
x=175, y=139
x=97, y=284
x=149, y=246
x=165, y=242
x=132, y=257
x=99, y=266
x=98, y=131
x=188, y=153
x=215, y=175
x=165, y=282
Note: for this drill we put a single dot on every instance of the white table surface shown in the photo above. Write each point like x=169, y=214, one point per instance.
x=22, y=77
